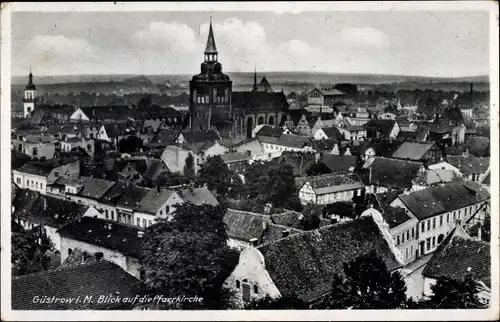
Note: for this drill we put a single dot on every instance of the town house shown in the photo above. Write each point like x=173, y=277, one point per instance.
x=437, y=210
x=158, y=203
x=329, y=188
x=428, y=153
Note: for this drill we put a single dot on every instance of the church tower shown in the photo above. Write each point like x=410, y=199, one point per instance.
x=210, y=92
x=30, y=97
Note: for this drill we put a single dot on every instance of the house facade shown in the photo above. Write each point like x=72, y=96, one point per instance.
x=330, y=188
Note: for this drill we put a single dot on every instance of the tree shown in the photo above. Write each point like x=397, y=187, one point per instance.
x=215, y=173
x=451, y=293
x=281, y=188
x=189, y=167
x=29, y=252
x=317, y=169
x=351, y=90
x=288, y=302
x=367, y=284
x=189, y=256
x=312, y=216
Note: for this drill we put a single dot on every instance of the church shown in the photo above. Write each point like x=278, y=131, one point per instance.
x=214, y=105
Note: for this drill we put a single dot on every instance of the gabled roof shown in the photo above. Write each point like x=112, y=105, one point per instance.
x=199, y=196
x=121, y=237
x=268, y=130
x=469, y=164
x=294, y=141
x=114, y=112
x=435, y=176
x=37, y=168
x=384, y=126
x=93, y=280
x=132, y=196
x=459, y=257
x=433, y=201
x=235, y=157
x=332, y=133
x=46, y=211
x=412, y=150
x=391, y=173
x=324, y=145
x=94, y=188
x=329, y=183
x=154, y=200
x=165, y=137
x=155, y=167
x=244, y=225
x=114, y=193
x=264, y=85
x=305, y=263
x=339, y=163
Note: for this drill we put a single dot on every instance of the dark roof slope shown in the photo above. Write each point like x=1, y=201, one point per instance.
x=122, y=238
x=268, y=130
x=94, y=188
x=339, y=163
x=412, y=150
x=259, y=100
x=469, y=164
x=36, y=168
x=132, y=196
x=244, y=225
x=300, y=162
x=383, y=126
x=459, y=257
x=305, y=263
x=198, y=196
x=393, y=173
x=433, y=201
x=93, y=279
x=201, y=136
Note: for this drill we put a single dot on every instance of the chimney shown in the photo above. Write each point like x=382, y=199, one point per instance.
x=140, y=234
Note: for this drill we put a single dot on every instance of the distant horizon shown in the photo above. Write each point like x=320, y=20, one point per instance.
x=258, y=73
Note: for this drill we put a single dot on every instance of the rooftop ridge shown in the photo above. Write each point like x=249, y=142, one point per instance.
x=63, y=268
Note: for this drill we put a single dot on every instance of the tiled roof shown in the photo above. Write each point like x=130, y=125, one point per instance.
x=433, y=201
x=294, y=141
x=199, y=196
x=114, y=112
x=165, y=137
x=132, y=196
x=458, y=257
x=395, y=216
x=201, y=136
x=114, y=130
x=244, y=225
x=412, y=150
x=259, y=100
x=469, y=164
x=430, y=177
x=235, y=157
x=121, y=237
x=391, y=173
x=152, y=202
x=329, y=183
x=292, y=219
x=324, y=145
x=339, y=163
x=93, y=279
x=37, y=168
x=332, y=133
x=155, y=167
x=305, y=263
x=43, y=210
x=113, y=194
x=384, y=126
x=274, y=232
x=94, y=188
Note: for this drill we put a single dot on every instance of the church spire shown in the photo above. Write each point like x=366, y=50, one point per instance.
x=30, y=85
x=211, y=48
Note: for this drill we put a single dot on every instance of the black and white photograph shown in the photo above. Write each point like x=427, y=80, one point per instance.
x=281, y=160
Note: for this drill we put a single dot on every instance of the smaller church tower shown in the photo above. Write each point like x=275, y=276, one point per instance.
x=30, y=97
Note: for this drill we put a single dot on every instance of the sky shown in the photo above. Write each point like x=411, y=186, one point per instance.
x=420, y=43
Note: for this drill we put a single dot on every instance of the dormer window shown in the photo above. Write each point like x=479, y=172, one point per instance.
x=238, y=284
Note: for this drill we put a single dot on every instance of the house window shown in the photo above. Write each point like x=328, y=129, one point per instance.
x=434, y=223
x=441, y=220
x=448, y=218
x=411, y=250
x=422, y=227
x=412, y=232
x=255, y=289
x=144, y=222
x=161, y=212
x=112, y=215
x=428, y=225
x=407, y=235
x=149, y=223
x=41, y=185
x=403, y=238
x=35, y=152
x=167, y=209
x=397, y=240
x=106, y=213
x=406, y=255
x=139, y=222
x=70, y=251
x=18, y=180
x=237, y=284
x=428, y=243
x=36, y=185
x=433, y=241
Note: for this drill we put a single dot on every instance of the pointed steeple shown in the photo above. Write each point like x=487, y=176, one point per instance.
x=255, y=79
x=211, y=48
x=30, y=85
